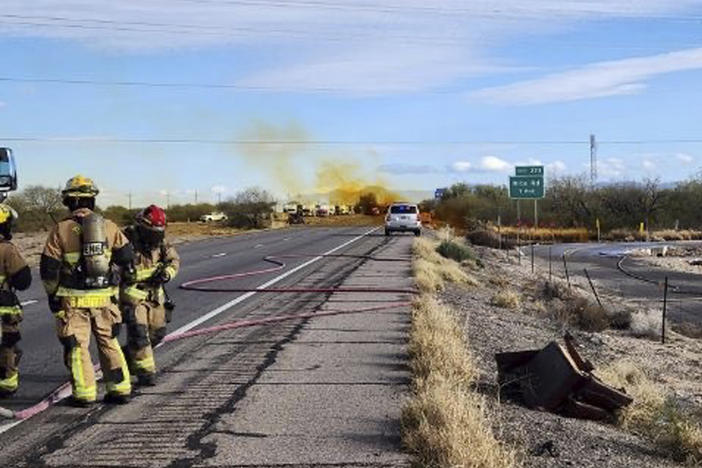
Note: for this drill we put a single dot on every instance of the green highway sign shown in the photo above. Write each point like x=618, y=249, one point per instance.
x=526, y=187
x=529, y=171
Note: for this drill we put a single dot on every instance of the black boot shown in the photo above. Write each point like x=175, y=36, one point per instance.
x=146, y=380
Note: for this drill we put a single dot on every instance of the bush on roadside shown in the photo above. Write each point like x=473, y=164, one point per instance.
x=506, y=298
x=646, y=324
x=455, y=251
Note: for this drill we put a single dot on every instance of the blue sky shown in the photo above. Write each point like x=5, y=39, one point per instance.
x=412, y=94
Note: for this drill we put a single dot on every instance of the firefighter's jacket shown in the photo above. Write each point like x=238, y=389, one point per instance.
x=14, y=274
x=148, y=261
x=60, y=266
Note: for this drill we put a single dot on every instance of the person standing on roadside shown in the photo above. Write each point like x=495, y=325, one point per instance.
x=80, y=267
x=143, y=299
x=14, y=275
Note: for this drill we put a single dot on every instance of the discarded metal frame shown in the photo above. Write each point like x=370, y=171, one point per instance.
x=557, y=379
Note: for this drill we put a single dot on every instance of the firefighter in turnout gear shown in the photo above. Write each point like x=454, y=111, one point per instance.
x=14, y=275
x=145, y=305
x=80, y=267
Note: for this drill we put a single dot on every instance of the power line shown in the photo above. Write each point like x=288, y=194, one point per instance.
x=229, y=31
x=516, y=13
x=341, y=142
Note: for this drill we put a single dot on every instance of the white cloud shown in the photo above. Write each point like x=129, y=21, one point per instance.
x=611, y=167
x=219, y=189
x=684, y=158
x=494, y=164
x=595, y=80
x=486, y=164
x=462, y=166
x=351, y=47
x=648, y=165
x=556, y=167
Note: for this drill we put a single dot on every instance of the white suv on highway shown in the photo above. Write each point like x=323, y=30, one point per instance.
x=403, y=217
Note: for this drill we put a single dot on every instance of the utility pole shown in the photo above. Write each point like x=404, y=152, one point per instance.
x=130, y=200
x=593, y=160
x=196, y=196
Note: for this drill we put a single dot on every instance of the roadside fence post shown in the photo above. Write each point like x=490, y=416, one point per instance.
x=550, y=265
x=565, y=267
x=532, y=258
x=594, y=291
x=665, y=307
x=519, y=248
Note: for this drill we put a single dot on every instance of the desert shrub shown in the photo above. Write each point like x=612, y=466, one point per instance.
x=506, y=298
x=455, y=251
x=646, y=324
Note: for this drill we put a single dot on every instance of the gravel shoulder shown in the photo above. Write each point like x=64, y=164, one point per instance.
x=490, y=329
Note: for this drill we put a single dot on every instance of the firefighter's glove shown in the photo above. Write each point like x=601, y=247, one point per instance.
x=160, y=276
x=55, y=303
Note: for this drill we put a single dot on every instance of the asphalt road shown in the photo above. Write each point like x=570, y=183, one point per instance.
x=198, y=375
x=627, y=277
x=42, y=368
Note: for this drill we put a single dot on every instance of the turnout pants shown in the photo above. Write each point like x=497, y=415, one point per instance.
x=74, y=327
x=9, y=352
x=146, y=327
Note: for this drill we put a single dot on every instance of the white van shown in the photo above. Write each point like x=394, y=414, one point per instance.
x=403, y=217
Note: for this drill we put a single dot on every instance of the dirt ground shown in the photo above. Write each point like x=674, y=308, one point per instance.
x=677, y=258
x=547, y=440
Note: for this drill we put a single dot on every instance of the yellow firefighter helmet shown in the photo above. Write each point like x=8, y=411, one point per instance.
x=80, y=187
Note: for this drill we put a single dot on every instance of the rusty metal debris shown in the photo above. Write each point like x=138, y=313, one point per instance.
x=557, y=379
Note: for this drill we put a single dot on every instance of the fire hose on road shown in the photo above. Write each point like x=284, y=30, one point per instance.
x=206, y=285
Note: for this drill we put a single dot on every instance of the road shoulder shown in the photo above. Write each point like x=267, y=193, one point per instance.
x=335, y=392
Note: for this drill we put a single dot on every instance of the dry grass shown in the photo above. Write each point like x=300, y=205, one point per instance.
x=426, y=276
x=506, y=298
x=344, y=220
x=655, y=414
x=646, y=324
x=631, y=235
x=570, y=307
x=498, y=280
x=445, y=424
x=436, y=343
x=547, y=234
x=431, y=270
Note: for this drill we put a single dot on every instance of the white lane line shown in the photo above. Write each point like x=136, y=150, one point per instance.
x=285, y=239
x=275, y=280
x=219, y=255
x=29, y=302
x=231, y=303
x=258, y=246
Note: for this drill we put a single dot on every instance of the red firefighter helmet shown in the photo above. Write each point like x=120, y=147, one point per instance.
x=151, y=222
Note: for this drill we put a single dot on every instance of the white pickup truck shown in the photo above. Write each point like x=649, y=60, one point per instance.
x=213, y=217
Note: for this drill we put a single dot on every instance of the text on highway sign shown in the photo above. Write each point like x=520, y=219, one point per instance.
x=526, y=187
x=529, y=171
